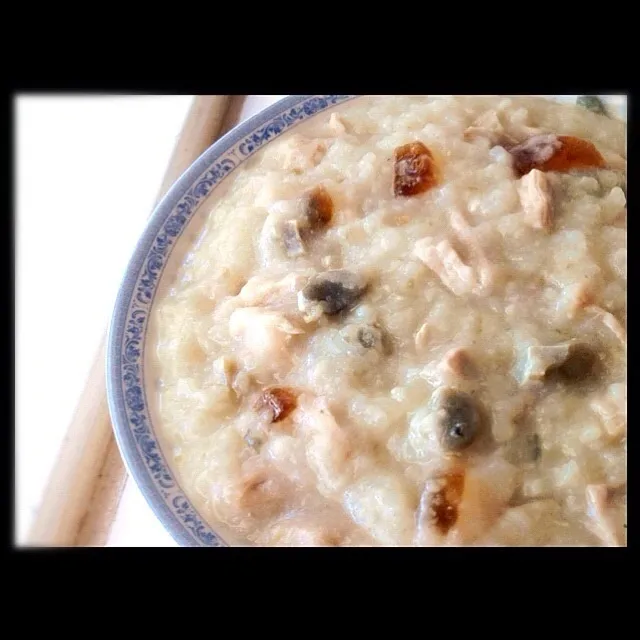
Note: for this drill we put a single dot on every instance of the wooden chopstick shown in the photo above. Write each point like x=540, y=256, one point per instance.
x=80, y=501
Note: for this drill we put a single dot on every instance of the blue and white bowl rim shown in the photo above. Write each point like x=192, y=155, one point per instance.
x=126, y=392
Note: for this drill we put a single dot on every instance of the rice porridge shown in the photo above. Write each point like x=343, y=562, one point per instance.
x=404, y=324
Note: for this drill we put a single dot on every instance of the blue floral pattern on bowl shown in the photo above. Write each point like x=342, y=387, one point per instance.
x=128, y=405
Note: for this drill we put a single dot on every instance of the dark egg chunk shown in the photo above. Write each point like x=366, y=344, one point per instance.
x=368, y=337
x=414, y=171
x=460, y=420
x=592, y=103
x=277, y=402
x=534, y=447
x=581, y=365
x=336, y=291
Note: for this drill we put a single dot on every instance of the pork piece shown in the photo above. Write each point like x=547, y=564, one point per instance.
x=444, y=260
x=475, y=278
x=383, y=504
x=536, y=198
x=337, y=124
x=612, y=409
x=489, y=126
x=264, y=290
x=414, y=170
x=611, y=322
x=265, y=336
x=484, y=269
x=328, y=448
x=300, y=153
x=602, y=524
x=421, y=337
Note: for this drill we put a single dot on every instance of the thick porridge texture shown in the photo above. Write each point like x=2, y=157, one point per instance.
x=404, y=324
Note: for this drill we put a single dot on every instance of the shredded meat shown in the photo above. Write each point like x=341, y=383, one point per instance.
x=612, y=409
x=536, y=197
x=265, y=334
x=489, y=126
x=421, y=336
x=445, y=261
x=484, y=268
x=263, y=290
x=597, y=496
x=611, y=322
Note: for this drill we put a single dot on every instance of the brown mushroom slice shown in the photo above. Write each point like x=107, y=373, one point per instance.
x=551, y=152
x=536, y=198
x=332, y=292
x=414, y=171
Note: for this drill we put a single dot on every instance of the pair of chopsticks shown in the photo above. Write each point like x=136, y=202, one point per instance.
x=80, y=501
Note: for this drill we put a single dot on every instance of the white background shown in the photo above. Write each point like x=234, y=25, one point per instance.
x=88, y=172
